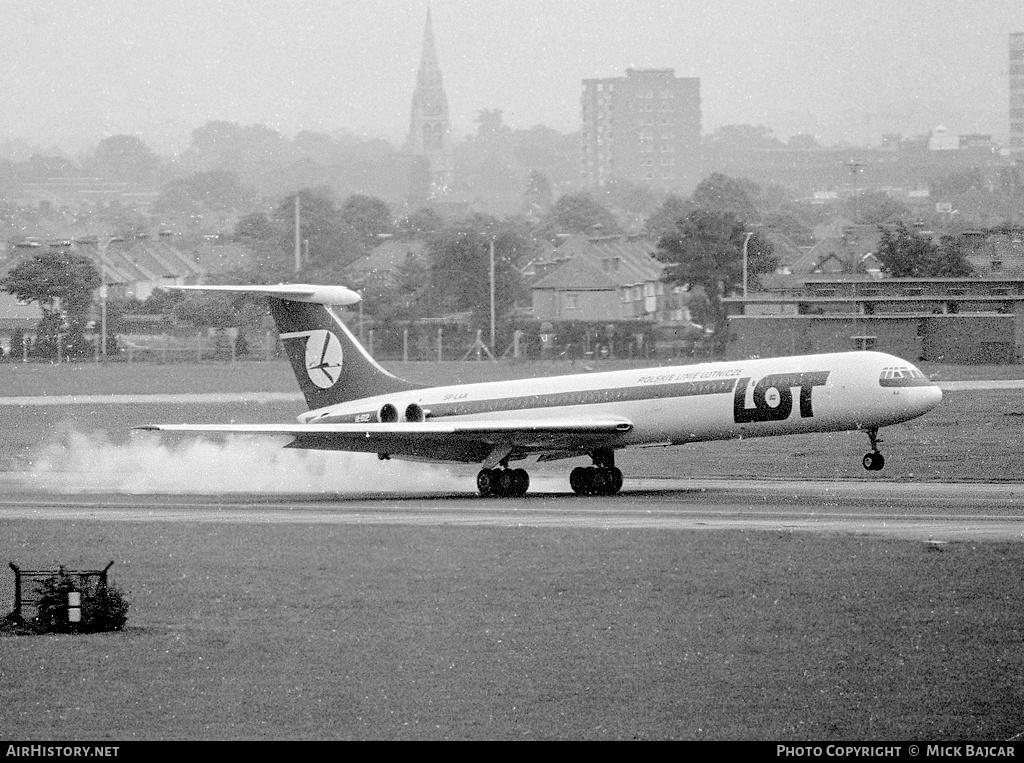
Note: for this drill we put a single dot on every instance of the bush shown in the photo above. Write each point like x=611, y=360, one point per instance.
x=104, y=607
x=241, y=346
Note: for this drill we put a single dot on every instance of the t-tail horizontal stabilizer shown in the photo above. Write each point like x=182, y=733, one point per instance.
x=294, y=292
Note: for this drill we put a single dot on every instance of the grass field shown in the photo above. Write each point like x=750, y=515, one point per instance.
x=330, y=632
x=349, y=632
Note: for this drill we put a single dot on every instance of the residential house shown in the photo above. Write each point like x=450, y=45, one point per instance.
x=605, y=278
x=996, y=254
x=136, y=266
x=842, y=247
x=17, y=316
x=607, y=292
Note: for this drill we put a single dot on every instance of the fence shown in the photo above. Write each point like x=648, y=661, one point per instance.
x=418, y=340
x=31, y=597
x=226, y=345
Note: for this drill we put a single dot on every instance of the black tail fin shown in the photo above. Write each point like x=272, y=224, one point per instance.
x=329, y=363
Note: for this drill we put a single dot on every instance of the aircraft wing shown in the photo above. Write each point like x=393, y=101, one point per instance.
x=471, y=441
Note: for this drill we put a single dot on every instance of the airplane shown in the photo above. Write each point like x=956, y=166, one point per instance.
x=356, y=405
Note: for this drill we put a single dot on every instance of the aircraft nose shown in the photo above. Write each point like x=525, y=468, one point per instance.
x=926, y=398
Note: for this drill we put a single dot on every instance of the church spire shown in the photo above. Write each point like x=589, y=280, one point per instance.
x=429, y=141
x=429, y=53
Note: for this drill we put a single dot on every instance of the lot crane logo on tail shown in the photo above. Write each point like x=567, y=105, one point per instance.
x=323, y=356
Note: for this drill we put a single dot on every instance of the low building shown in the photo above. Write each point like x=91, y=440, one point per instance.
x=605, y=278
x=605, y=294
x=996, y=254
x=841, y=247
x=17, y=317
x=955, y=320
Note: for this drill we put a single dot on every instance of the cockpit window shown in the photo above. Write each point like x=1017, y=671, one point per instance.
x=903, y=376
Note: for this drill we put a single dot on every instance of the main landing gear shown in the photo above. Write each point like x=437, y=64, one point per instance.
x=874, y=461
x=503, y=483
x=603, y=478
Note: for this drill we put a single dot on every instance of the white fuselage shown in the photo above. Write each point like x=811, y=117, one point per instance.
x=679, y=404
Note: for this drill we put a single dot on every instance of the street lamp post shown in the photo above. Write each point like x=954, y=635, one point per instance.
x=101, y=248
x=493, y=348
x=298, y=233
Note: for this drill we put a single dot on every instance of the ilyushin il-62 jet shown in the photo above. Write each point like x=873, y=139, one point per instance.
x=356, y=405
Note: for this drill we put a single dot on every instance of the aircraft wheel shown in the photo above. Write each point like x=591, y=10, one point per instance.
x=873, y=461
x=521, y=481
x=578, y=480
x=507, y=482
x=486, y=482
x=595, y=480
x=615, y=480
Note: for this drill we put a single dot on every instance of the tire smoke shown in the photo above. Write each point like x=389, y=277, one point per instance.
x=148, y=463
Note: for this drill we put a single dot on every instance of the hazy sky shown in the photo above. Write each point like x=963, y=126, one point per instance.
x=76, y=70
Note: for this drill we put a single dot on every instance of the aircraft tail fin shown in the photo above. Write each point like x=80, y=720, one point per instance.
x=329, y=363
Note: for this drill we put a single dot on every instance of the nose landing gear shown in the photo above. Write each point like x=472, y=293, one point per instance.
x=874, y=461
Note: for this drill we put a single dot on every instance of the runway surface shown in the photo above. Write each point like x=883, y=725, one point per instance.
x=934, y=512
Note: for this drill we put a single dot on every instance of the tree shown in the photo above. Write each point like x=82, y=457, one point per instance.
x=400, y=295
x=663, y=220
x=314, y=145
x=876, y=208
x=706, y=250
x=207, y=311
x=803, y=141
x=330, y=243
x=538, y=196
x=491, y=127
x=125, y=158
x=578, y=213
x=38, y=168
x=17, y=345
x=627, y=196
x=227, y=145
x=459, y=267
x=487, y=167
x=256, y=226
x=62, y=283
x=212, y=191
x=721, y=193
x=420, y=222
x=905, y=254
x=368, y=216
